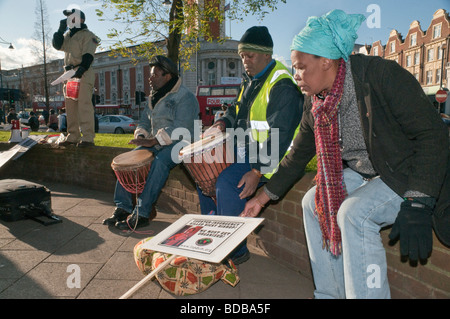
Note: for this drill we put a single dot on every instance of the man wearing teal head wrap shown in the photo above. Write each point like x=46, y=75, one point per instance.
x=331, y=36
x=382, y=153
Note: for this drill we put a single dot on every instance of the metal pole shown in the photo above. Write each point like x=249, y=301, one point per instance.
x=442, y=74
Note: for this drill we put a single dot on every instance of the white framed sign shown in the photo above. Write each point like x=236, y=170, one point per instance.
x=205, y=237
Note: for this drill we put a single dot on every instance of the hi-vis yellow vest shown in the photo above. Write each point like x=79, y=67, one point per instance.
x=258, y=119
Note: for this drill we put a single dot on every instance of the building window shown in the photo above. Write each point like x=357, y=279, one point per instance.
x=113, y=78
x=437, y=31
x=429, y=77
x=126, y=77
x=408, y=60
x=102, y=79
x=211, y=65
x=392, y=47
x=375, y=51
x=430, y=54
x=114, y=98
x=416, y=75
x=438, y=76
x=211, y=78
x=232, y=65
x=139, y=75
x=439, y=52
x=413, y=39
x=417, y=58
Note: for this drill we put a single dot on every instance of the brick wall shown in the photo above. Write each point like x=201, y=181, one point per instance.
x=281, y=235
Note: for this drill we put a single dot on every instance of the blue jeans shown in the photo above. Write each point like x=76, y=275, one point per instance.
x=227, y=197
x=361, y=270
x=157, y=177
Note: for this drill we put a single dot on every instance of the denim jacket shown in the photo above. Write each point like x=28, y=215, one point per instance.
x=177, y=109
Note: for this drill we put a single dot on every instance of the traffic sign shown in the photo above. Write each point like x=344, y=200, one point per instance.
x=441, y=96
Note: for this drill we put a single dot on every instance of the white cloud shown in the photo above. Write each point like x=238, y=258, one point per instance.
x=24, y=54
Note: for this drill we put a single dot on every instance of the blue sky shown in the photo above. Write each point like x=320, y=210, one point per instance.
x=17, y=22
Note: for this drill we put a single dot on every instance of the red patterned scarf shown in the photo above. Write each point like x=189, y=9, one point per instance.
x=330, y=191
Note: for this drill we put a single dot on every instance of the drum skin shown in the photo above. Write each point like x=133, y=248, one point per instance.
x=131, y=169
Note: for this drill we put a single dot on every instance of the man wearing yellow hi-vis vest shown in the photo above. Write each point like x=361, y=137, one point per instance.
x=268, y=109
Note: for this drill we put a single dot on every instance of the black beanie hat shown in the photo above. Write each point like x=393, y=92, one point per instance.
x=256, y=39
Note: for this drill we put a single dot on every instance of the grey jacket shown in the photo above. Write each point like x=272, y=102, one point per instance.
x=177, y=109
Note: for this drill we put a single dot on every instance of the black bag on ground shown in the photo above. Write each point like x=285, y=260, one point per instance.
x=20, y=199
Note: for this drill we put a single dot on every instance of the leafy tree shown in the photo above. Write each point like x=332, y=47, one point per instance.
x=149, y=26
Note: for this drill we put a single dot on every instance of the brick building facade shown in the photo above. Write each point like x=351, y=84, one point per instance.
x=424, y=53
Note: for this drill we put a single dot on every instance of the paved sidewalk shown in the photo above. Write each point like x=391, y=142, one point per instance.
x=37, y=261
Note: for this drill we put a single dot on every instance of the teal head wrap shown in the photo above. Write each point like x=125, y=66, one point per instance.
x=331, y=36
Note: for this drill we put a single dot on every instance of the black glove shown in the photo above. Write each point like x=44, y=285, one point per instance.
x=79, y=72
x=62, y=25
x=414, y=226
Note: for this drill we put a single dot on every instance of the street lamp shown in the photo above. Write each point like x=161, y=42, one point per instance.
x=11, y=48
x=4, y=42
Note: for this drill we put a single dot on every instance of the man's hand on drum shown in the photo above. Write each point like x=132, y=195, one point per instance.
x=253, y=206
x=216, y=129
x=146, y=142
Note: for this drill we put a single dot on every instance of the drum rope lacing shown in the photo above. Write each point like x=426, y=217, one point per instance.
x=138, y=201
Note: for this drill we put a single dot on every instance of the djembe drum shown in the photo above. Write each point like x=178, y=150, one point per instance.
x=206, y=159
x=131, y=169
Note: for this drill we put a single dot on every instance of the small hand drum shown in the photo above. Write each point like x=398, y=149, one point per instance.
x=131, y=169
x=206, y=159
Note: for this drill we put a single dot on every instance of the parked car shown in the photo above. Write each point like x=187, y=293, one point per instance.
x=117, y=124
x=23, y=117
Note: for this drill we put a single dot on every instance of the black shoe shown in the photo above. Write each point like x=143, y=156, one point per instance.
x=85, y=144
x=118, y=216
x=133, y=222
x=241, y=258
x=153, y=214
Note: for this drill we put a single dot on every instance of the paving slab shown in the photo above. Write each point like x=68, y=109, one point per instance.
x=40, y=262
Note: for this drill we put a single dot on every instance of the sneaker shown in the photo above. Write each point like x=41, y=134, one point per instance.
x=118, y=216
x=133, y=222
x=241, y=258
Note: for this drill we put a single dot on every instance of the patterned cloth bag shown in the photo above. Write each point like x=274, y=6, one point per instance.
x=184, y=276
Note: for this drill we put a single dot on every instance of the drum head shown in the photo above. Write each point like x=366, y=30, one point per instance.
x=203, y=145
x=132, y=158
